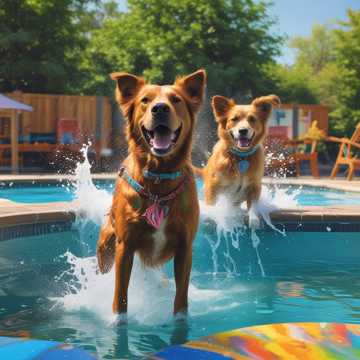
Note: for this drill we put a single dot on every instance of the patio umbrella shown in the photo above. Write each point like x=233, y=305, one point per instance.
x=15, y=106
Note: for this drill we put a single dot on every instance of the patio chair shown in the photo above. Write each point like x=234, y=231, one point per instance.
x=346, y=154
x=305, y=150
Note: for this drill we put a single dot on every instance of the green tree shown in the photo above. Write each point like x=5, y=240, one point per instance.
x=314, y=75
x=292, y=83
x=318, y=54
x=41, y=43
x=317, y=50
x=164, y=38
x=347, y=113
x=326, y=71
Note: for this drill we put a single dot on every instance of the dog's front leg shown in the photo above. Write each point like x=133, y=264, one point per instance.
x=182, y=269
x=124, y=259
x=211, y=191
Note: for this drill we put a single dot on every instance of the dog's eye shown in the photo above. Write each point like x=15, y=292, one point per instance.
x=251, y=119
x=234, y=119
x=145, y=100
x=175, y=99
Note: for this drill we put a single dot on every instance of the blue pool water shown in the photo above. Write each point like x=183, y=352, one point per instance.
x=309, y=277
x=44, y=192
x=52, y=192
x=50, y=287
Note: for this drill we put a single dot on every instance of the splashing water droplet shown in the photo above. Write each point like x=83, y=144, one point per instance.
x=93, y=203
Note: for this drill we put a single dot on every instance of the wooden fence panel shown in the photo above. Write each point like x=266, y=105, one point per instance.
x=106, y=126
x=318, y=112
x=48, y=109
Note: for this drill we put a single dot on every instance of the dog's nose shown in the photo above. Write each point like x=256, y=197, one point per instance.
x=243, y=132
x=160, y=109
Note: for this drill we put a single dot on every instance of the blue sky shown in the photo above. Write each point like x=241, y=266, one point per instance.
x=296, y=17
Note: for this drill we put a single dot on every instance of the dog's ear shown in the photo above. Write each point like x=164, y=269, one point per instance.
x=127, y=87
x=264, y=104
x=221, y=106
x=193, y=88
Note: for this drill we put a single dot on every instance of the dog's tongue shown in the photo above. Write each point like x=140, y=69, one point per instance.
x=162, y=137
x=243, y=142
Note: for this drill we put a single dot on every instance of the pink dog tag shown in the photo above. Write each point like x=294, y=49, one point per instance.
x=155, y=214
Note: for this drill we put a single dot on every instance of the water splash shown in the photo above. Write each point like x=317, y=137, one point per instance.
x=151, y=291
x=91, y=291
x=93, y=203
x=228, y=227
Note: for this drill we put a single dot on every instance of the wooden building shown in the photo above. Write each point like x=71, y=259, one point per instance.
x=91, y=113
x=58, y=120
x=294, y=120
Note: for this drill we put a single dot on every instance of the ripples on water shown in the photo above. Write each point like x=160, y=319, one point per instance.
x=50, y=287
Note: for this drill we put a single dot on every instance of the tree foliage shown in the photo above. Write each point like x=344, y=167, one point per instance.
x=326, y=71
x=317, y=50
x=164, y=38
x=71, y=46
x=347, y=112
x=309, y=80
x=40, y=44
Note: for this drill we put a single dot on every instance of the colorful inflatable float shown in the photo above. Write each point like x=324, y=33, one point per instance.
x=303, y=341
x=12, y=348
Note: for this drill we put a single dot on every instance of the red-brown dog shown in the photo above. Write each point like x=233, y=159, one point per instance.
x=236, y=165
x=155, y=211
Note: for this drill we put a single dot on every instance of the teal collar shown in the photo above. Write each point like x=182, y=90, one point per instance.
x=243, y=154
x=243, y=164
x=161, y=176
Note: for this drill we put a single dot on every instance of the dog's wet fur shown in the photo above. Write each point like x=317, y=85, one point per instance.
x=159, y=132
x=242, y=127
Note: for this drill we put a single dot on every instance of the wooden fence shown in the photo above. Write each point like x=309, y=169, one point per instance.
x=92, y=113
x=320, y=113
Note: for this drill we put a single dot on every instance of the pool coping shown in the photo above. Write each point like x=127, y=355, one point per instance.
x=18, y=219
x=337, y=184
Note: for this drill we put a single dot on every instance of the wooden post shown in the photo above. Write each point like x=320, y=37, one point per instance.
x=14, y=142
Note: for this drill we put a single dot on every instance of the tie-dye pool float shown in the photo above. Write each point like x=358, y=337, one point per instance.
x=303, y=341
x=28, y=349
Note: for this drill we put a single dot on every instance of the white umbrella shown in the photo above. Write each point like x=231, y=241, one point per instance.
x=8, y=103
x=16, y=106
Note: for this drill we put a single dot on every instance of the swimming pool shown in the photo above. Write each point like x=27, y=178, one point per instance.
x=65, y=191
x=310, y=276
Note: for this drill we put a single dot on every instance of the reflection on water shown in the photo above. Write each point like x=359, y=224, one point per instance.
x=74, y=304
x=50, y=287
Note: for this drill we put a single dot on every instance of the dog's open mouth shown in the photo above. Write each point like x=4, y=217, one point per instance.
x=161, y=139
x=243, y=142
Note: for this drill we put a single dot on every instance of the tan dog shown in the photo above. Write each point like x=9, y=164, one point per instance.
x=155, y=210
x=236, y=165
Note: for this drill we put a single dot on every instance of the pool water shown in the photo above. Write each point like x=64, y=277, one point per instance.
x=45, y=192
x=309, y=277
x=50, y=287
x=53, y=192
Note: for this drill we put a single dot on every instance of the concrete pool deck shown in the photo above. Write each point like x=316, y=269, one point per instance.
x=15, y=215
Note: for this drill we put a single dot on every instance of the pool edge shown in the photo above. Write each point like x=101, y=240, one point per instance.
x=19, y=218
